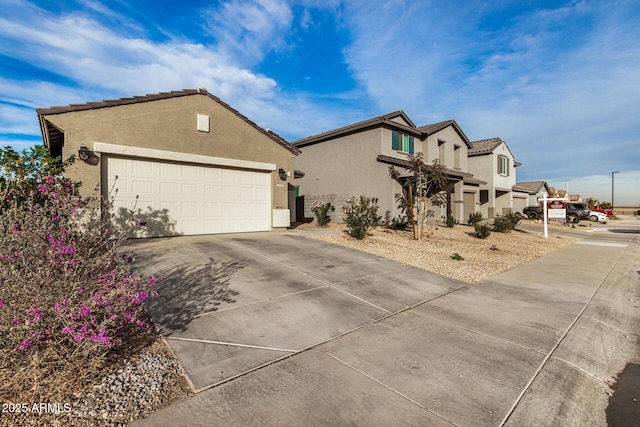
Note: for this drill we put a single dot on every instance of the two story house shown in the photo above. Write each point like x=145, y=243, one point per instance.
x=491, y=160
x=354, y=160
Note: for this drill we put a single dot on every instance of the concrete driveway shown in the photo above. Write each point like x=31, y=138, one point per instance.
x=232, y=303
x=276, y=329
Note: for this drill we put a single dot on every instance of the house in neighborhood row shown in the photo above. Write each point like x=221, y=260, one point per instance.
x=187, y=160
x=536, y=190
x=491, y=161
x=355, y=159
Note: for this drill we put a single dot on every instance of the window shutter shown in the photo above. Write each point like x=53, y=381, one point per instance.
x=410, y=145
x=499, y=164
x=395, y=140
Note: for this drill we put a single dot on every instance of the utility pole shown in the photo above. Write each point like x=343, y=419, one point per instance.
x=612, y=187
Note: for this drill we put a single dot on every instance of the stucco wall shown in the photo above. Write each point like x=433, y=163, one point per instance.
x=170, y=125
x=347, y=166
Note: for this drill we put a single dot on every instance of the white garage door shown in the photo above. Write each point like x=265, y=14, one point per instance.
x=178, y=198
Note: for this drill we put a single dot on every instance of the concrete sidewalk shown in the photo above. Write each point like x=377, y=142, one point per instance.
x=537, y=345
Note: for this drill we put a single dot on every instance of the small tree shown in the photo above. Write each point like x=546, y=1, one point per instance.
x=427, y=183
x=591, y=202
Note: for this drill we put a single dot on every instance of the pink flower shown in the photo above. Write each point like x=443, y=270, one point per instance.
x=50, y=180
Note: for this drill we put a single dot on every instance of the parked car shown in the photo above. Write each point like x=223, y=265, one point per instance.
x=577, y=211
x=532, y=212
x=604, y=211
x=597, y=216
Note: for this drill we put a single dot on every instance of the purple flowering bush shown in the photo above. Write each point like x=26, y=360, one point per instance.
x=69, y=299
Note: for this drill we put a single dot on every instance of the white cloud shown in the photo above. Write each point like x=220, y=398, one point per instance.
x=248, y=29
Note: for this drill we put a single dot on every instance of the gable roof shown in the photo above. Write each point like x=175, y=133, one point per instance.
x=49, y=132
x=428, y=130
x=486, y=146
x=385, y=120
x=534, y=186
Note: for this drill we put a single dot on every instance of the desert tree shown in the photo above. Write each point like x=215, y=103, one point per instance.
x=423, y=184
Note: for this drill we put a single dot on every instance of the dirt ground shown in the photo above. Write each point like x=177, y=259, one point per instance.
x=482, y=258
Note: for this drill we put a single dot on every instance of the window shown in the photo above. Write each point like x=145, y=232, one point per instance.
x=503, y=165
x=402, y=142
x=441, y=147
x=456, y=156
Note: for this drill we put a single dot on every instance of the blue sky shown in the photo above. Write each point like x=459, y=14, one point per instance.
x=559, y=81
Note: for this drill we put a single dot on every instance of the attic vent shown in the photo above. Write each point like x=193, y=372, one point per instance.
x=203, y=123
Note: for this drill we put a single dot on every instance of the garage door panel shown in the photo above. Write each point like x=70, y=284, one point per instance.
x=192, y=199
x=168, y=188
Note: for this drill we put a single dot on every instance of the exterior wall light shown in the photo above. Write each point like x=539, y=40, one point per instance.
x=88, y=156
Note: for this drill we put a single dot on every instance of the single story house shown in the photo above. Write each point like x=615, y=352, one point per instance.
x=536, y=190
x=185, y=160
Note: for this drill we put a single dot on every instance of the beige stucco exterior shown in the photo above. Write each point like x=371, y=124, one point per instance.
x=347, y=167
x=498, y=195
x=169, y=125
x=345, y=162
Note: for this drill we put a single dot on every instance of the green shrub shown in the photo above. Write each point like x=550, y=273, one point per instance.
x=399, y=223
x=482, y=230
x=451, y=221
x=475, y=218
x=361, y=215
x=505, y=223
x=321, y=211
x=456, y=256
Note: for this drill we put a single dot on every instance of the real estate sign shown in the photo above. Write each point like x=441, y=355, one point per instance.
x=557, y=211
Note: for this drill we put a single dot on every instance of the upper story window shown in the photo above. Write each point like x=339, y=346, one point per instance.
x=503, y=165
x=441, y=147
x=456, y=156
x=402, y=142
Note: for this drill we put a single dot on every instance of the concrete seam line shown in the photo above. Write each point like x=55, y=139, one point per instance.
x=477, y=332
x=277, y=262
x=360, y=299
x=404, y=267
x=583, y=370
x=232, y=344
x=387, y=387
x=548, y=356
x=261, y=301
x=316, y=345
x=608, y=325
x=183, y=372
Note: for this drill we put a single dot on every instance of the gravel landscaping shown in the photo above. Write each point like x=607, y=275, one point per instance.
x=482, y=257
x=144, y=384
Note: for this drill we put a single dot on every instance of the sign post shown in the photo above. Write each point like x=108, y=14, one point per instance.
x=555, y=210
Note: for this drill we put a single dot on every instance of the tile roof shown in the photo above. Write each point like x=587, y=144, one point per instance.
x=437, y=127
x=385, y=120
x=533, y=186
x=107, y=103
x=484, y=146
x=452, y=173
